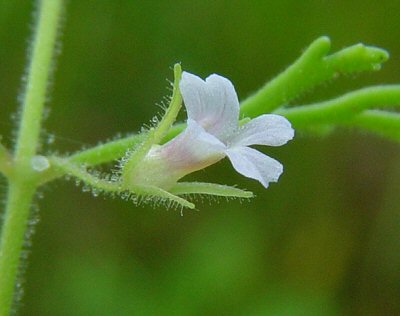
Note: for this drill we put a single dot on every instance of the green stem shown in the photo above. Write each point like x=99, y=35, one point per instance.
x=383, y=123
x=82, y=174
x=23, y=180
x=311, y=69
x=38, y=77
x=343, y=108
x=12, y=237
x=107, y=152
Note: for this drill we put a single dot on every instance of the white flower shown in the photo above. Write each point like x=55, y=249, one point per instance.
x=213, y=117
x=212, y=133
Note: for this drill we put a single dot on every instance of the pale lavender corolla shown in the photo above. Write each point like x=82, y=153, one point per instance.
x=212, y=133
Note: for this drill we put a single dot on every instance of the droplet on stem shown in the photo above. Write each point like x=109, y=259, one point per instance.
x=40, y=163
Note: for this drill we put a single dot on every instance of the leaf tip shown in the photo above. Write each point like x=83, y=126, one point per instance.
x=323, y=40
x=376, y=56
x=320, y=46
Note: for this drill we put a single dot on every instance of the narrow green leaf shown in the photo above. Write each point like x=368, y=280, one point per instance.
x=209, y=189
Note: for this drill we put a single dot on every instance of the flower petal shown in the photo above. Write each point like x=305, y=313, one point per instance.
x=193, y=149
x=254, y=164
x=267, y=129
x=212, y=103
x=164, y=165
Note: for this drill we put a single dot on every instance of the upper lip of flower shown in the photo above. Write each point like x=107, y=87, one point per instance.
x=213, y=118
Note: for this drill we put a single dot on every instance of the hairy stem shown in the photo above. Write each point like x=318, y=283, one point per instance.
x=107, y=152
x=12, y=237
x=38, y=78
x=22, y=182
x=83, y=175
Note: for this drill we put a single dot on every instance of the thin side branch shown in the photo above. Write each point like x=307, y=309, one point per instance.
x=383, y=123
x=311, y=69
x=344, y=108
x=86, y=177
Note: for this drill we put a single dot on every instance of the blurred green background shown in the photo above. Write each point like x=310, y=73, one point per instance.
x=325, y=240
